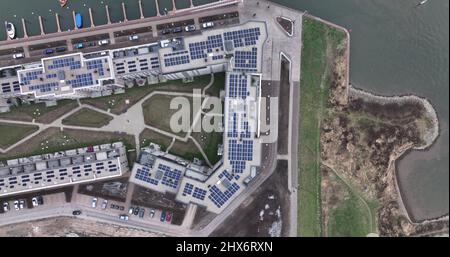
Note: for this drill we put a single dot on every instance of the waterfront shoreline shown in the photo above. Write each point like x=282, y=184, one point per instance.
x=432, y=134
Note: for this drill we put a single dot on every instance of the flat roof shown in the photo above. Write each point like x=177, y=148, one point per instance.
x=63, y=75
x=63, y=168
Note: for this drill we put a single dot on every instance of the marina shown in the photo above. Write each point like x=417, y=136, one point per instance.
x=39, y=20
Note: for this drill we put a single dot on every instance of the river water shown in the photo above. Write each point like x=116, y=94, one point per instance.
x=396, y=48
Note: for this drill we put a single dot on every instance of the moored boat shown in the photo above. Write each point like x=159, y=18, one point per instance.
x=10, y=30
x=78, y=20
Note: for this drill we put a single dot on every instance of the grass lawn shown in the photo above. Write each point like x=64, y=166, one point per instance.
x=118, y=105
x=157, y=113
x=53, y=140
x=149, y=136
x=87, y=118
x=187, y=150
x=319, y=47
x=28, y=112
x=354, y=216
x=209, y=143
x=11, y=133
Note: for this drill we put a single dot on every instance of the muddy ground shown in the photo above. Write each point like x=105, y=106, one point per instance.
x=70, y=227
x=265, y=213
x=113, y=189
x=151, y=199
x=283, y=107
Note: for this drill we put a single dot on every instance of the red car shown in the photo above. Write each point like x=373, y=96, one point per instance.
x=168, y=216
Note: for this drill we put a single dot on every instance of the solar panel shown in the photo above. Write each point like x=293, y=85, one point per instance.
x=243, y=37
x=187, y=189
x=171, y=177
x=96, y=65
x=197, y=49
x=219, y=198
x=143, y=175
x=246, y=60
x=199, y=193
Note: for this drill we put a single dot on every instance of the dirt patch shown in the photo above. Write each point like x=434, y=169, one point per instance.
x=152, y=199
x=265, y=213
x=70, y=227
x=112, y=190
x=283, y=107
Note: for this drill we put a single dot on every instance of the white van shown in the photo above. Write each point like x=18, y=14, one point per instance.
x=103, y=42
x=208, y=24
x=18, y=56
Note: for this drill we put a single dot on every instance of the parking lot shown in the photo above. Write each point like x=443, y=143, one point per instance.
x=123, y=212
x=17, y=205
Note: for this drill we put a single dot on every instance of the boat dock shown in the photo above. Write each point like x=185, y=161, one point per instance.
x=148, y=29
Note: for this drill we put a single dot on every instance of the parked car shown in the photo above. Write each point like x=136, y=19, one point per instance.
x=16, y=205
x=136, y=211
x=76, y=212
x=131, y=210
x=90, y=44
x=21, y=204
x=152, y=213
x=208, y=24
x=112, y=206
x=123, y=217
x=104, y=204
x=190, y=28
x=18, y=56
x=5, y=206
x=168, y=216
x=48, y=51
x=163, y=216
x=166, y=31
x=94, y=202
x=141, y=213
x=40, y=200
x=103, y=42
x=177, y=30
x=79, y=46
x=133, y=37
x=121, y=208
x=61, y=49
x=34, y=201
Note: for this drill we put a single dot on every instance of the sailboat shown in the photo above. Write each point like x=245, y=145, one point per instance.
x=422, y=3
x=10, y=29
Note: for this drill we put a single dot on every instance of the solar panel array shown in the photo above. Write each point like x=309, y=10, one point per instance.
x=199, y=193
x=246, y=60
x=47, y=87
x=171, y=177
x=217, y=57
x=81, y=80
x=226, y=174
x=243, y=37
x=218, y=197
x=187, y=189
x=65, y=62
x=240, y=151
x=96, y=65
x=144, y=175
x=29, y=76
x=176, y=60
x=51, y=76
x=197, y=49
x=237, y=86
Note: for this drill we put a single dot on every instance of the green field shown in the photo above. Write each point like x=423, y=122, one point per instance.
x=209, y=143
x=87, y=118
x=28, y=112
x=12, y=133
x=352, y=216
x=117, y=102
x=319, y=48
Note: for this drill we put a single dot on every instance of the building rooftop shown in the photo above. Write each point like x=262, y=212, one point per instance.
x=63, y=75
